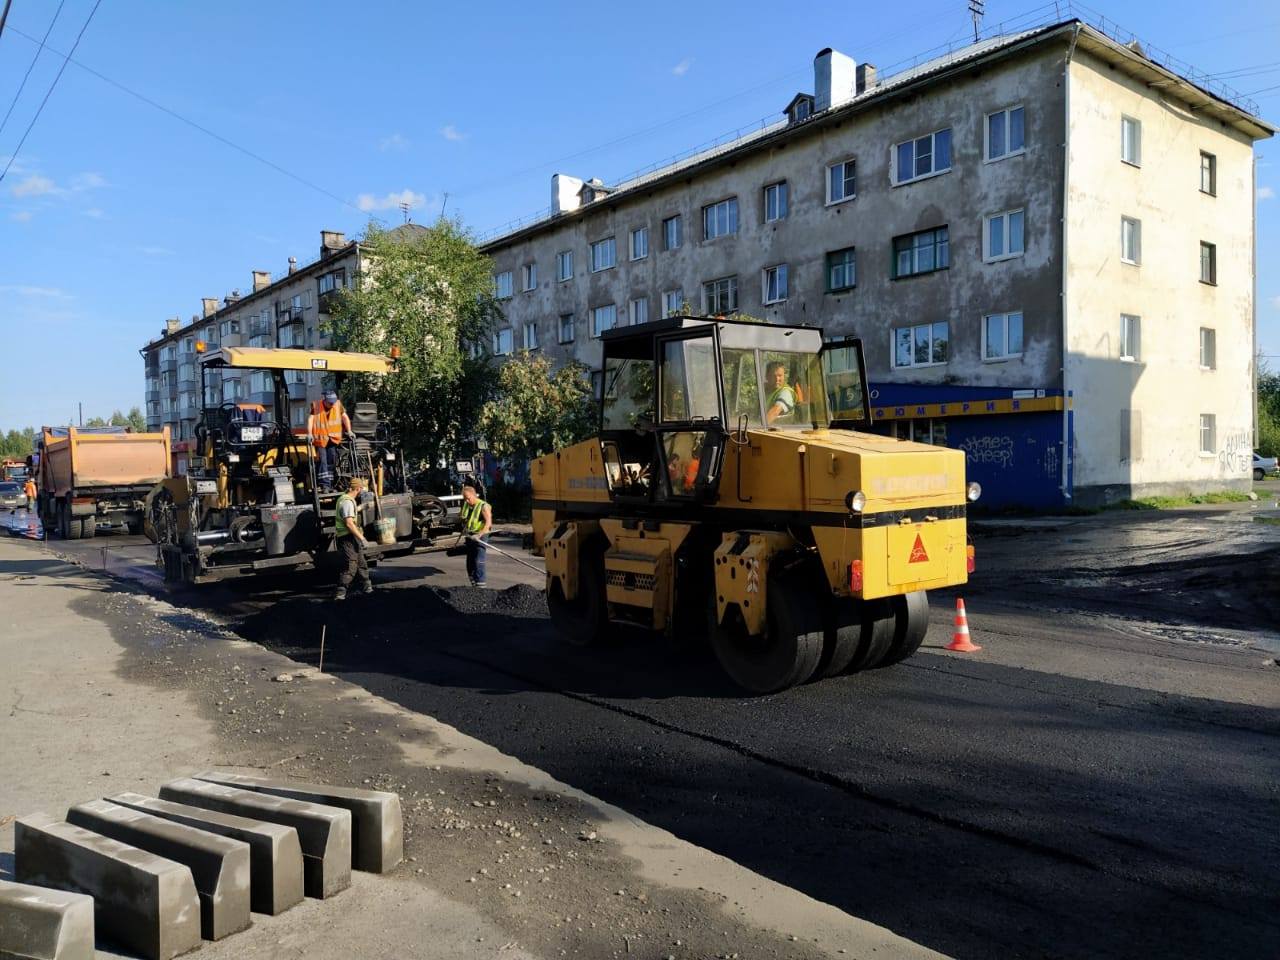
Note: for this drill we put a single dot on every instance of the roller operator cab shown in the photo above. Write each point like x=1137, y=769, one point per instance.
x=254, y=497
x=732, y=490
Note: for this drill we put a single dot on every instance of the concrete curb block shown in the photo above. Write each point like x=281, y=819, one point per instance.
x=144, y=901
x=376, y=821
x=41, y=924
x=219, y=865
x=275, y=858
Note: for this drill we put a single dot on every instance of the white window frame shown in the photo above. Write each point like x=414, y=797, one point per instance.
x=987, y=155
x=710, y=216
x=1006, y=236
x=529, y=277
x=1209, y=426
x=1213, y=173
x=731, y=288
x=1005, y=324
x=564, y=265
x=600, y=312
x=639, y=251
x=1211, y=354
x=503, y=342
x=895, y=175
x=566, y=322
x=780, y=275
x=672, y=301
x=676, y=222
x=503, y=281
x=1130, y=338
x=531, y=335
x=780, y=194
x=1134, y=160
x=893, y=345
x=1136, y=259
x=638, y=310
x=607, y=244
x=832, y=199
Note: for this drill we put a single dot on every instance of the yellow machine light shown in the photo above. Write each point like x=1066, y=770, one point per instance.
x=974, y=491
x=201, y=346
x=856, y=502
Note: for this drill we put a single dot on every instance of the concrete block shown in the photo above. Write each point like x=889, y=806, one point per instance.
x=377, y=840
x=37, y=923
x=324, y=832
x=142, y=901
x=219, y=865
x=275, y=858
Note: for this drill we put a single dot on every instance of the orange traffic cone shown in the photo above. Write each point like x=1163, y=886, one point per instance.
x=960, y=641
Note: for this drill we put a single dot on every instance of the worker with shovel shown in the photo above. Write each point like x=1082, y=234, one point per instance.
x=477, y=521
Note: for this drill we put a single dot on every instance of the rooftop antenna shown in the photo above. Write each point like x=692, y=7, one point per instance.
x=404, y=209
x=444, y=204
x=977, y=8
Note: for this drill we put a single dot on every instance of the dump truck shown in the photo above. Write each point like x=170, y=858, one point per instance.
x=734, y=493
x=252, y=499
x=92, y=478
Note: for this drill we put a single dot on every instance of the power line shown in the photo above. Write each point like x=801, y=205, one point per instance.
x=49, y=93
x=31, y=66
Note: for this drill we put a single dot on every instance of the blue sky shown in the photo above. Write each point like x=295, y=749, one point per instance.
x=116, y=215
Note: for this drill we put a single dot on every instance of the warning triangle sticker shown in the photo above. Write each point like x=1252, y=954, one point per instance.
x=918, y=554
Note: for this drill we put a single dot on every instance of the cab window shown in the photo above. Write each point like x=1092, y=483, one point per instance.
x=688, y=381
x=628, y=393
x=741, y=386
x=682, y=452
x=844, y=383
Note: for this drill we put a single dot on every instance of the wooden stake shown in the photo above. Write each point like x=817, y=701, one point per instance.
x=323, y=628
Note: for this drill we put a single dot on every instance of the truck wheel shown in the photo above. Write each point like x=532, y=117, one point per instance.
x=88, y=527
x=582, y=620
x=911, y=623
x=72, y=524
x=788, y=652
x=857, y=632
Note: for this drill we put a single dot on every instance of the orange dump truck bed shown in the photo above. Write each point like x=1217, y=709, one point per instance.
x=82, y=459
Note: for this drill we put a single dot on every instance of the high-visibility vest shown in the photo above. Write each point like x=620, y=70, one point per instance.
x=340, y=525
x=473, y=516
x=777, y=394
x=29, y=488
x=326, y=425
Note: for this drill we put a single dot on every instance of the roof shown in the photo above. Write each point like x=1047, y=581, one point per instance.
x=291, y=358
x=743, y=334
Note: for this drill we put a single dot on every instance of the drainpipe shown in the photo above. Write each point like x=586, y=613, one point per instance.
x=1067, y=452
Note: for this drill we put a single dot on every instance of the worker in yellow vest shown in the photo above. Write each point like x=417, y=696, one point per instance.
x=327, y=425
x=351, y=542
x=477, y=521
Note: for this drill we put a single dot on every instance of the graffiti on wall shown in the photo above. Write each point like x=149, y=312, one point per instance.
x=1235, y=454
x=995, y=450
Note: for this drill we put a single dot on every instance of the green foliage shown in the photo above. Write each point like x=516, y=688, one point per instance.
x=1166, y=503
x=1268, y=411
x=17, y=444
x=536, y=410
x=429, y=291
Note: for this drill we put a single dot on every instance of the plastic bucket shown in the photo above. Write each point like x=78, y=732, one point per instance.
x=386, y=528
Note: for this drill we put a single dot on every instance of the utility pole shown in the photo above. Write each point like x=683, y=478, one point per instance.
x=4, y=15
x=976, y=9
x=404, y=210
x=444, y=204
x=80, y=410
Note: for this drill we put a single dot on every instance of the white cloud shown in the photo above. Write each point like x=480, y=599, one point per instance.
x=393, y=142
x=450, y=132
x=1275, y=303
x=28, y=291
x=95, y=212
x=35, y=186
x=1266, y=193
x=88, y=181
x=681, y=68
x=156, y=251
x=368, y=202
x=22, y=216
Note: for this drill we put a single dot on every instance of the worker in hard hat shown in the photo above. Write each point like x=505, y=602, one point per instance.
x=327, y=425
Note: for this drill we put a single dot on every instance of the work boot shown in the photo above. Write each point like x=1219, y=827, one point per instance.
x=366, y=589
x=340, y=593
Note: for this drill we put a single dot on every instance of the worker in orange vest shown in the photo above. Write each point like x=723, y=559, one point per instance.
x=29, y=488
x=328, y=424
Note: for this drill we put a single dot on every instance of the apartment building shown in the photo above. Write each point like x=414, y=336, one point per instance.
x=1044, y=241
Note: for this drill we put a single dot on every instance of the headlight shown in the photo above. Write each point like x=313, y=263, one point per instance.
x=856, y=501
x=974, y=490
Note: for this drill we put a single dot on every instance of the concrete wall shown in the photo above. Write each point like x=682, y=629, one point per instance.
x=1165, y=389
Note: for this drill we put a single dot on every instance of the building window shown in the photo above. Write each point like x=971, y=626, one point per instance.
x=1002, y=336
x=1208, y=433
x=672, y=232
x=775, y=201
x=1208, y=349
x=603, y=318
x=1002, y=236
x=775, y=283
x=502, y=285
x=502, y=342
x=1005, y=135
x=1208, y=174
x=639, y=310
x=921, y=252
x=720, y=296
x=1131, y=240
x=1131, y=141
x=604, y=254
x=639, y=243
x=332, y=281
x=1208, y=262
x=921, y=345
x=720, y=219
x=229, y=328
x=672, y=302
x=1130, y=337
x=841, y=270
x=531, y=336
x=921, y=431
x=597, y=384
x=922, y=157
x=564, y=265
x=841, y=182
x=566, y=328
x=529, y=277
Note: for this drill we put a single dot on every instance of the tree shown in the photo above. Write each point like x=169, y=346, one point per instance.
x=17, y=444
x=1268, y=410
x=135, y=420
x=429, y=291
x=535, y=410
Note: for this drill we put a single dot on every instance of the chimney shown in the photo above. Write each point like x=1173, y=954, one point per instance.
x=231, y=298
x=210, y=305
x=261, y=280
x=331, y=240
x=565, y=196
x=834, y=79
x=172, y=324
x=293, y=265
x=866, y=77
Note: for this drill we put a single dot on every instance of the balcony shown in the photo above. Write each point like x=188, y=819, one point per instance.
x=259, y=327
x=265, y=397
x=298, y=391
x=188, y=385
x=153, y=396
x=287, y=316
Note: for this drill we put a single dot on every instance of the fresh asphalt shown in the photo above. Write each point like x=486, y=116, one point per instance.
x=1102, y=781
